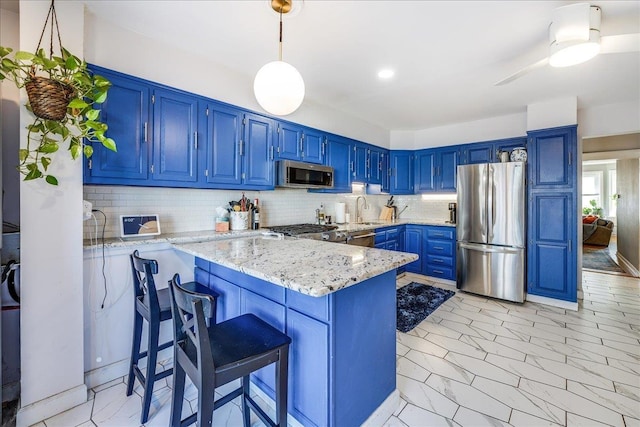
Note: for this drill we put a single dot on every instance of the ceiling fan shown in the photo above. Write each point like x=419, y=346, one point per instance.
x=574, y=37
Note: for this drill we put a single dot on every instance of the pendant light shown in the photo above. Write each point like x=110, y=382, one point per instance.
x=278, y=86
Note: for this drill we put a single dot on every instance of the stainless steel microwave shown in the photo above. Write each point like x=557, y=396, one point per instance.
x=303, y=175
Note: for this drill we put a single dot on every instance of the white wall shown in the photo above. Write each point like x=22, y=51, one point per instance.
x=112, y=47
x=51, y=254
x=612, y=119
x=508, y=126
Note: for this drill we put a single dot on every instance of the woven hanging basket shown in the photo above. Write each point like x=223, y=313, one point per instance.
x=49, y=98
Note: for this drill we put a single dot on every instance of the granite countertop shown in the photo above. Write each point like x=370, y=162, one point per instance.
x=310, y=267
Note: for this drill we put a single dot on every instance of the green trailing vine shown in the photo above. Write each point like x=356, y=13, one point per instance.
x=80, y=126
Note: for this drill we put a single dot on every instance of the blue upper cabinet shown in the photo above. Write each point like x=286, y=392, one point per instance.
x=553, y=243
x=338, y=155
x=126, y=113
x=299, y=143
x=487, y=152
x=385, y=171
x=175, y=136
x=289, y=141
x=436, y=170
x=426, y=170
x=378, y=166
x=401, y=169
x=257, y=152
x=239, y=149
x=222, y=139
x=313, y=146
x=360, y=162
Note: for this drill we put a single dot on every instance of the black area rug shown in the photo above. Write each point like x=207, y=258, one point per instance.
x=599, y=259
x=415, y=302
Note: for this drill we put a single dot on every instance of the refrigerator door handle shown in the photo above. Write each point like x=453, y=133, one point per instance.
x=491, y=202
x=489, y=248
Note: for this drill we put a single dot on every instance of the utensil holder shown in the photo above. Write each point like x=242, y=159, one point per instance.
x=239, y=220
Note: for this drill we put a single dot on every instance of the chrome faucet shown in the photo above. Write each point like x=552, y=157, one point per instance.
x=365, y=206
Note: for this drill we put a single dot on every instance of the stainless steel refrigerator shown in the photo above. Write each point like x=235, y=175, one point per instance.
x=491, y=230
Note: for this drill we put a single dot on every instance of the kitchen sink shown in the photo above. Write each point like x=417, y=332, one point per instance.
x=370, y=223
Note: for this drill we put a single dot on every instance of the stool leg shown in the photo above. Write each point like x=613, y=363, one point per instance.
x=177, y=396
x=246, y=414
x=135, y=350
x=152, y=356
x=206, y=397
x=282, y=378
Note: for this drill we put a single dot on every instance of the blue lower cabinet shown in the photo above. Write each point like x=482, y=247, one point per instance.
x=341, y=360
x=436, y=247
x=413, y=243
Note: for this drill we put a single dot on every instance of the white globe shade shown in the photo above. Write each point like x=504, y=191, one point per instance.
x=279, y=88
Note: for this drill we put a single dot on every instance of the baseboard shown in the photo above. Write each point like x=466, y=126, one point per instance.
x=52, y=405
x=107, y=373
x=384, y=411
x=552, y=302
x=627, y=266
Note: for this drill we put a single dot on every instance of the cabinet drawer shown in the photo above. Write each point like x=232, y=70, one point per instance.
x=393, y=233
x=436, y=260
x=440, y=271
x=440, y=247
x=442, y=233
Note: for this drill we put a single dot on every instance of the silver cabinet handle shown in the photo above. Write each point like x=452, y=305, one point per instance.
x=146, y=135
x=241, y=146
x=195, y=140
x=271, y=153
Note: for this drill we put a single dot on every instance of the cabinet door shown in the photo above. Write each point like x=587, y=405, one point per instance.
x=126, y=112
x=447, y=169
x=257, y=152
x=289, y=141
x=478, y=153
x=552, y=156
x=401, y=172
x=313, y=146
x=552, y=256
x=385, y=172
x=509, y=145
x=413, y=243
x=310, y=347
x=360, y=161
x=175, y=124
x=339, y=157
x=375, y=166
x=224, y=126
x=426, y=171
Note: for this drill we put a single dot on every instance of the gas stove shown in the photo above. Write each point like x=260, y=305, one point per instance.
x=326, y=233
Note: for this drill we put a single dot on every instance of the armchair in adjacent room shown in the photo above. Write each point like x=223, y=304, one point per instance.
x=596, y=231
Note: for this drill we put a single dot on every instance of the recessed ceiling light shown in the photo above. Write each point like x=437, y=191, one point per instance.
x=387, y=73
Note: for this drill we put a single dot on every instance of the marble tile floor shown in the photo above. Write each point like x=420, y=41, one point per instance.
x=476, y=361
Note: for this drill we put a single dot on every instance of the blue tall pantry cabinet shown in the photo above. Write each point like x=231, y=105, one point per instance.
x=552, y=252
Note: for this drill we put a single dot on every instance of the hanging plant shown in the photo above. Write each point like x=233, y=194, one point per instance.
x=63, y=96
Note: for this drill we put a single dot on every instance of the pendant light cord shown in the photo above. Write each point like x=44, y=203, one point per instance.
x=280, y=44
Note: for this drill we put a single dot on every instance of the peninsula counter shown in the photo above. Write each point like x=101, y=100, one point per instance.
x=338, y=304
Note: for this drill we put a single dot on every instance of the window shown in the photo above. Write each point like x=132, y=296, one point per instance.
x=592, y=189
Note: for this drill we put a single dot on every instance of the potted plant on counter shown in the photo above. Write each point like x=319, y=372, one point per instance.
x=63, y=95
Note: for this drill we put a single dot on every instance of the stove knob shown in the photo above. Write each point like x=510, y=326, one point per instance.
x=325, y=236
x=340, y=235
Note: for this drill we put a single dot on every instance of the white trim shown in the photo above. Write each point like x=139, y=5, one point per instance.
x=52, y=405
x=291, y=422
x=104, y=374
x=553, y=302
x=384, y=411
x=627, y=266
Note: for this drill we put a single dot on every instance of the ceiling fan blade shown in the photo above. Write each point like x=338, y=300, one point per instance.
x=620, y=44
x=522, y=72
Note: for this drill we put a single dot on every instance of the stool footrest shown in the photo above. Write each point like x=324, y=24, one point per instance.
x=160, y=347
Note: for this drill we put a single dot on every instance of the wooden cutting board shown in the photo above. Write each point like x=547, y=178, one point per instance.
x=386, y=213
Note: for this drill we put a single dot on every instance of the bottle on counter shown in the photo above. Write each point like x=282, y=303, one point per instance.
x=256, y=215
x=321, y=214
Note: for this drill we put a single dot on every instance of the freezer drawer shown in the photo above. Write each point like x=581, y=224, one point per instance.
x=493, y=271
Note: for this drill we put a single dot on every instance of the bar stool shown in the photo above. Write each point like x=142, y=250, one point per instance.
x=154, y=306
x=216, y=354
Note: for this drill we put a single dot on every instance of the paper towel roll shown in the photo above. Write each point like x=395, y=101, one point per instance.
x=340, y=211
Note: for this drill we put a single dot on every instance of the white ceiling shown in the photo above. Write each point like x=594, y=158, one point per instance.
x=447, y=54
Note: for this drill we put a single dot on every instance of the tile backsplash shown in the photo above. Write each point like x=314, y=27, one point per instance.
x=183, y=210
